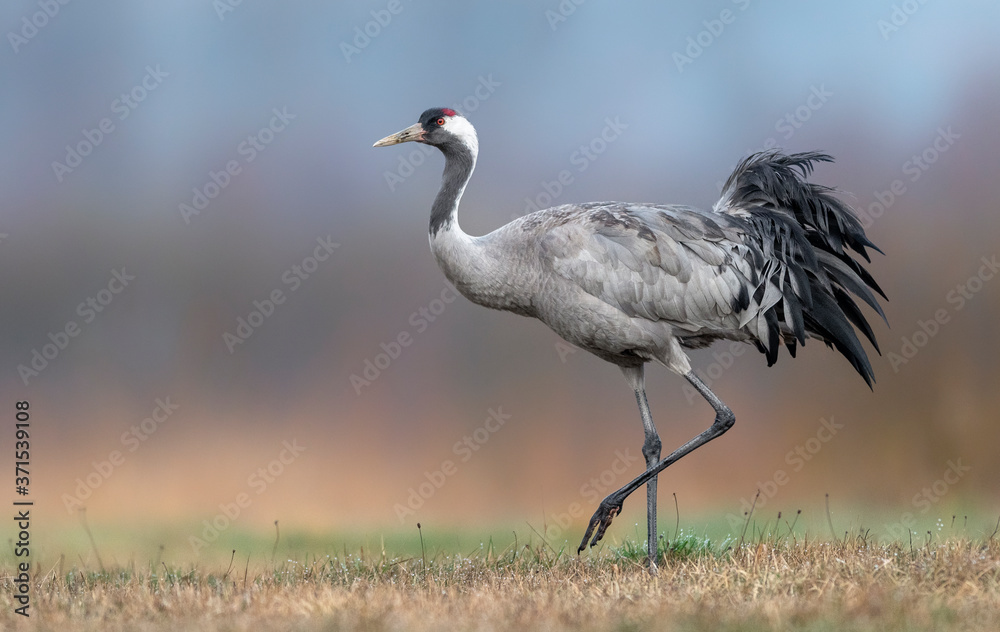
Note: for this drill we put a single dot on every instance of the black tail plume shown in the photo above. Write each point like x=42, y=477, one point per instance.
x=805, y=236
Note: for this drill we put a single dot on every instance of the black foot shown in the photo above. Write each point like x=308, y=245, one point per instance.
x=601, y=520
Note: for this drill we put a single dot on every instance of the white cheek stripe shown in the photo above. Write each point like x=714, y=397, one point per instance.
x=461, y=127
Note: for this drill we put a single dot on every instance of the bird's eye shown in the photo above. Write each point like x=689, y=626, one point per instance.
x=440, y=122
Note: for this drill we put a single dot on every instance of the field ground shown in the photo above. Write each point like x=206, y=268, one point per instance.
x=775, y=576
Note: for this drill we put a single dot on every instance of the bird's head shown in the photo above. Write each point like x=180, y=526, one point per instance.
x=444, y=128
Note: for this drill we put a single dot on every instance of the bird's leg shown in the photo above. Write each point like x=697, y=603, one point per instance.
x=611, y=506
x=650, y=450
x=635, y=376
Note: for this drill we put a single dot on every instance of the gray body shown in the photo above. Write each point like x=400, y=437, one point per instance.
x=630, y=283
x=770, y=265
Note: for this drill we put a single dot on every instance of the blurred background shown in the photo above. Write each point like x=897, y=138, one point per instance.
x=217, y=295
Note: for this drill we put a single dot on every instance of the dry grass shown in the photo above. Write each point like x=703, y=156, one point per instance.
x=771, y=584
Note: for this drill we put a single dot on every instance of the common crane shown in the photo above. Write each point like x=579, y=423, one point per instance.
x=770, y=264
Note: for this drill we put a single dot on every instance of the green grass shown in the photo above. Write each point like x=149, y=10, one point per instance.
x=811, y=572
x=772, y=582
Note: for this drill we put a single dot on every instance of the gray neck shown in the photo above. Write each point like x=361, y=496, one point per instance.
x=480, y=267
x=459, y=162
x=466, y=261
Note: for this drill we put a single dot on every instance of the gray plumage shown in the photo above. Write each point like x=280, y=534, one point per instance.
x=771, y=264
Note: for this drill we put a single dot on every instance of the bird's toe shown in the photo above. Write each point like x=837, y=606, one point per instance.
x=600, y=521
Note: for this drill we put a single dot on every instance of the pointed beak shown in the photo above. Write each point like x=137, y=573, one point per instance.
x=413, y=132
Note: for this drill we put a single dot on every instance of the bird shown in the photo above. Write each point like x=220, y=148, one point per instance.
x=776, y=261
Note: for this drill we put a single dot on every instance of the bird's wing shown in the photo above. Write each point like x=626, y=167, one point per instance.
x=667, y=263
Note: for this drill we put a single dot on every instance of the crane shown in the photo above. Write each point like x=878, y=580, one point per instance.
x=769, y=265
